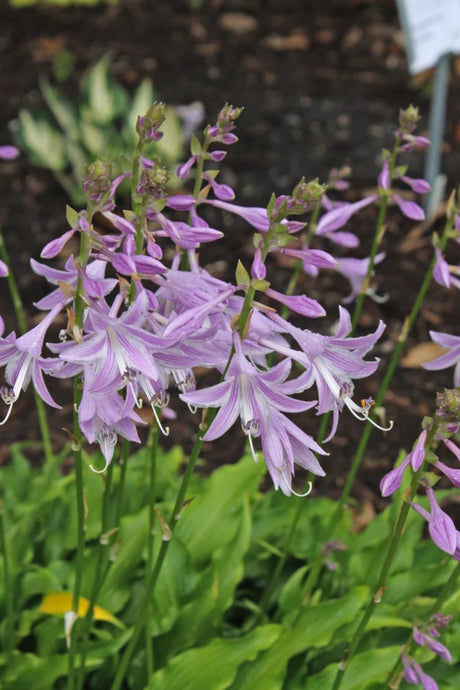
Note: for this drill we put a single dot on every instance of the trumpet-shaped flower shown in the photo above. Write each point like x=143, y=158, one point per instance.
x=23, y=360
x=331, y=363
x=257, y=398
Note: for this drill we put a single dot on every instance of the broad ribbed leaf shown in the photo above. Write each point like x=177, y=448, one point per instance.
x=214, y=666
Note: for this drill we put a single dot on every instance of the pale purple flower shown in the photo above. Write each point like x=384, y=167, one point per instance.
x=332, y=362
x=312, y=259
x=254, y=215
x=355, y=271
x=409, y=208
x=53, y=248
x=417, y=455
x=183, y=171
x=3, y=269
x=441, y=272
x=258, y=269
x=391, y=481
x=221, y=191
x=452, y=475
x=257, y=398
x=414, y=674
x=8, y=153
x=450, y=358
x=384, y=177
x=285, y=445
x=425, y=640
x=332, y=221
x=418, y=185
x=301, y=304
x=440, y=526
x=94, y=284
x=23, y=360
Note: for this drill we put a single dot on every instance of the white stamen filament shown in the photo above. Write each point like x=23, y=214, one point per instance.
x=285, y=482
x=251, y=445
x=7, y=416
x=164, y=430
x=363, y=415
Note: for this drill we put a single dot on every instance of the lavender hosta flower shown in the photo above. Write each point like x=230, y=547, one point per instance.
x=8, y=153
x=332, y=221
x=331, y=363
x=23, y=360
x=299, y=303
x=254, y=215
x=258, y=398
x=312, y=259
x=425, y=640
x=258, y=270
x=441, y=273
x=284, y=445
x=221, y=191
x=53, y=248
x=3, y=269
x=104, y=414
x=391, y=481
x=409, y=208
x=94, y=284
x=414, y=674
x=451, y=358
x=440, y=526
x=119, y=347
x=355, y=271
x=417, y=455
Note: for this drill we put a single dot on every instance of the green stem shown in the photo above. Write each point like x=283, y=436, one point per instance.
x=9, y=593
x=381, y=582
x=99, y=573
x=21, y=319
x=377, y=239
x=121, y=482
x=80, y=502
x=153, y=446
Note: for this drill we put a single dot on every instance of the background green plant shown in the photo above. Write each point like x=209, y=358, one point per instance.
x=69, y=136
x=218, y=564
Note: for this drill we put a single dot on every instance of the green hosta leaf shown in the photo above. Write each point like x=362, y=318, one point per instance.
x=62, y=110
x=291, y=595
x=407, y=585
x=213, y=667
x=214, y=592
x=42, y=141
x=93, y=137
x=106, y=99
x=209, y=522
x=363, y=670
x=19, y=671
x=313, y=628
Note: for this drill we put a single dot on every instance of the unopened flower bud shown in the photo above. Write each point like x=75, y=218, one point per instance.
x=408, y=119
x=147, y=126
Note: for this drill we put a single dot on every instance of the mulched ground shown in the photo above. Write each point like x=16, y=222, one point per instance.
x=322, y=85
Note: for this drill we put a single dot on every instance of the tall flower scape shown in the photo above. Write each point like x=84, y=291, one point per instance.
x=136, y=315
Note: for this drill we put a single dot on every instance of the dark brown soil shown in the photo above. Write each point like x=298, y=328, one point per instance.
x=322, y=85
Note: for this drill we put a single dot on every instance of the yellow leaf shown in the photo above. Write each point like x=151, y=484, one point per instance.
x=60, y=603
x=419, y=354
